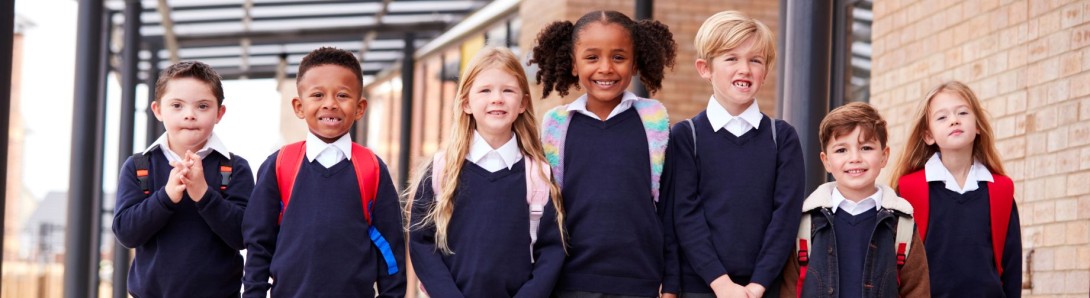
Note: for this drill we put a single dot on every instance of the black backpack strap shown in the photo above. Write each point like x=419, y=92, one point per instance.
x=225, y=173
x=143, y=164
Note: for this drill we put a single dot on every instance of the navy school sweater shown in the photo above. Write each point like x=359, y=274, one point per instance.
x=616, y=239
x=852, y=234
x=959, y=246
x=321, y=248
x=488, y=234
x=736, y=202
x=186, y=249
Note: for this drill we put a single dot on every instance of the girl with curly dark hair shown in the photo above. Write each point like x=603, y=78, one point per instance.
x=615, y=146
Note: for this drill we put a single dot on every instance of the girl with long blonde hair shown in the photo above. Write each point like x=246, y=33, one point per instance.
x=951, y=173
x=493, y=169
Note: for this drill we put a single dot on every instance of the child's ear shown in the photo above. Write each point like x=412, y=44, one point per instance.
x=885, y=157
x=703, y=69
x=155, y=109
x=297, y=105
x=927, y=138
x=465, y=106
x=361, y=107
x=219, y=116
x=825, y=162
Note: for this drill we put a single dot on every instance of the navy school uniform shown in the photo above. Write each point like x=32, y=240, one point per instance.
x=488, y=236
x=615, y=231
x=736, y=202
x=959, y=246
x=321, y=248
x=188, y=249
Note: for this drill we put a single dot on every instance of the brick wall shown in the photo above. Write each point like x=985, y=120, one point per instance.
x=1029, y=63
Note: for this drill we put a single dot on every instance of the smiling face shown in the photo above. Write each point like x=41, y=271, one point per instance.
x=735, y=75
x=854, y=163
x=495, y=100
x=188, y=109
x=951, y=123
x=604, y=61
x=329, y=99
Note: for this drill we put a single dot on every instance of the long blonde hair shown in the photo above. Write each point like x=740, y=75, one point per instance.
x=917, y=152
x=461, y=136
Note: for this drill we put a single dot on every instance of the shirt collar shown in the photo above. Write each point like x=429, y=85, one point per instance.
x=934, y=170
x=509, y=151
x=580, y=105
x=315, y=146
x=872, y=201
x=213, y=144
x=719, y=117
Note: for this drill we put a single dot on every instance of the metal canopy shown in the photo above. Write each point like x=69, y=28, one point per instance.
x=248, y=38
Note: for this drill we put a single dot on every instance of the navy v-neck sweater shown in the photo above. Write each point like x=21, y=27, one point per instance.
x=321, y=248
x=186, y=249
x=488, y=234
x=616, y=240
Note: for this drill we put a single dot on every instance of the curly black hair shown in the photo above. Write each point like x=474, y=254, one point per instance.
x=190, y=69
x=330, y=55
x=654, y=47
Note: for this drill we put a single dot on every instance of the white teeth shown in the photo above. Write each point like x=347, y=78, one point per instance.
x=742, y=84
x=605, y=83
x=855, y=171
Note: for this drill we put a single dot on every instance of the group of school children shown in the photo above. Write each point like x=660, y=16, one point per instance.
x=605, y=200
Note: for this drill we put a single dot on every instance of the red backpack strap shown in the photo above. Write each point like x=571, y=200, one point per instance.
x=802, y=250
x=366, y=165
x=1001, y=200
x=288, y=162
x=913, y=188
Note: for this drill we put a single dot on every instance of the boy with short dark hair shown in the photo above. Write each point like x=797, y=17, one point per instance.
x=342, y=231
x=856, y=238
x=180, y=202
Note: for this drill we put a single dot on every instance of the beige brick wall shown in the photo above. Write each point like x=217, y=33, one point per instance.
x=1029, y=63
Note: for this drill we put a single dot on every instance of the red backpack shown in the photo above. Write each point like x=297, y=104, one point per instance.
x=914, y=188
x=365, y=164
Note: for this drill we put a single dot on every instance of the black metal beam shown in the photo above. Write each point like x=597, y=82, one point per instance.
x=77, y=259
x=805, y=76
x=332, y=34
x=130, y=59
x=407, y=65
x=7, y=43
x=644, y=11
x=97, y=197
x=346, y=15
x=154, y=128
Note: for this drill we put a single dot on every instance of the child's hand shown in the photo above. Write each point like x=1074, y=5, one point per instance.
x=724, y=287
x=176, y=182
x=668, y=295
x=755, y=290
x=195, y=186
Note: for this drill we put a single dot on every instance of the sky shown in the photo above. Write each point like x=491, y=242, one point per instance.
x=249, y=128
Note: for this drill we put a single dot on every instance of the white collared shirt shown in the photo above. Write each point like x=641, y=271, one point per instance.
x=934, y=170
x=580, y=105
x=328, y=154
x=736, y=125
x=871, y=202
x=213, y=144
x=490, y=159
